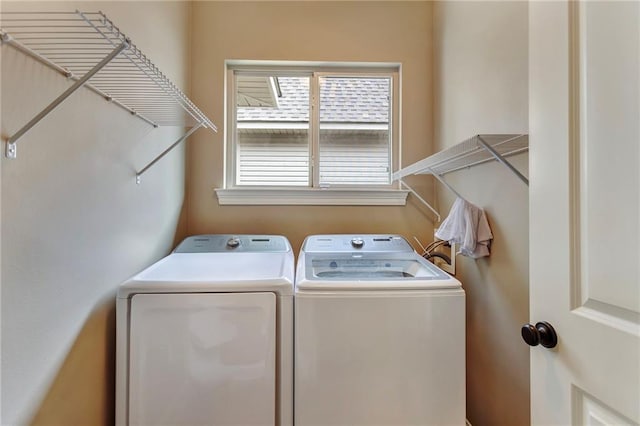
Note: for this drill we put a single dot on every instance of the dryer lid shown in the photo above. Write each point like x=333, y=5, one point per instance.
x=215, y=272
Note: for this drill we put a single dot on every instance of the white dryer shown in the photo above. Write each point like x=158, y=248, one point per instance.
x=379, y=335
x=204, y=336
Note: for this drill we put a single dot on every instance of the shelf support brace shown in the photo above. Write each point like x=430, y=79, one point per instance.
x=166, y=151
x=422, y=200
x=444, y=182
x=11, y=142
x=502, y=160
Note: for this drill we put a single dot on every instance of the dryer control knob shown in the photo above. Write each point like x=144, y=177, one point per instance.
x=233, y=242
x=357, y=242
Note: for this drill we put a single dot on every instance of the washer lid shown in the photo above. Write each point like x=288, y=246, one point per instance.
x=215, y=272
x=391, y=271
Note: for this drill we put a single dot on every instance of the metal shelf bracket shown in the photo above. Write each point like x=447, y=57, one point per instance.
x=446, y=184
x=422, y=200
x=502, y=160
x=11, y=149
x=166, y=151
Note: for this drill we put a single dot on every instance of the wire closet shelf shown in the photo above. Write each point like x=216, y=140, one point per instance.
x=471, y=152
x=89, y=49
x=476, y=150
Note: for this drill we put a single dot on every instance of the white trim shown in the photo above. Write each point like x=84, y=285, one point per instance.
x=314, y=115
x=294, y=125
x=274, y=92
x=311, y=196
x=397, y=118
x=277, y=125
x=303, y=67
x=313, y=70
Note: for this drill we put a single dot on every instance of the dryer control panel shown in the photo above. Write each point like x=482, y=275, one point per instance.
x=220, y=243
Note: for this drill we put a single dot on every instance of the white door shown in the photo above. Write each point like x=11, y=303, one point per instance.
x=585, y=210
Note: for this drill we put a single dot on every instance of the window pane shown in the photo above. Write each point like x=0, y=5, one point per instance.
x=354, y=130
x=272, y=120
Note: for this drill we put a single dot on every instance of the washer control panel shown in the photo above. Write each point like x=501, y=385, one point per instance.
x=356, y=243
x=219, y=243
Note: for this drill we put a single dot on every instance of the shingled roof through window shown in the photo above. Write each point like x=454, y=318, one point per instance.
x=342, y=100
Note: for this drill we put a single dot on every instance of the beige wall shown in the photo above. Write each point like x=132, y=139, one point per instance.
x=75, y=224
x=481, y=86
x=308, y=31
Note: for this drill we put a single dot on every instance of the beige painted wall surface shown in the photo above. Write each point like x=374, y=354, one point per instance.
x=75, y=224
x=481, y=86
x=308, y=31
x=0, y=244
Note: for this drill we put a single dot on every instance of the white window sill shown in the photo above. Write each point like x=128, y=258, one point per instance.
x=311, y=197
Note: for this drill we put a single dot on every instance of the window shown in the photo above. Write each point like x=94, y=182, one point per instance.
x=314, y=127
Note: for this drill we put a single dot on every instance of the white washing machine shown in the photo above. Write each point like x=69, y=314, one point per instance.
x=379, y=335
x=204, y=336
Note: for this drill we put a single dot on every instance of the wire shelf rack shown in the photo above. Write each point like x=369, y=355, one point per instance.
x=89, y=49
x=471, y=152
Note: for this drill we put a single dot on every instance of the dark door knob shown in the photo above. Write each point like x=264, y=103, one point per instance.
x=540, y=334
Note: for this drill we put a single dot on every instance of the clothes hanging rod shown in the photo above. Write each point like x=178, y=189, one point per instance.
x=66, y=43
x=53, y=12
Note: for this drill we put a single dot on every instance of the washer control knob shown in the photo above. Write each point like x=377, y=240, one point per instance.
x=357, y=242
x=233, y=242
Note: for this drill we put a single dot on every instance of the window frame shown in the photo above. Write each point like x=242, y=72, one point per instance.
x=314, y=193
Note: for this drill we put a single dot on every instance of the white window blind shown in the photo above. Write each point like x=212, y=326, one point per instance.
x=284, y=160
x=272, y=160
x=355, y=158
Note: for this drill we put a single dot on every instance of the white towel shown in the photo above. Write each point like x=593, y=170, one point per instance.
x=467, y=226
